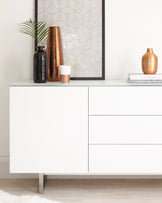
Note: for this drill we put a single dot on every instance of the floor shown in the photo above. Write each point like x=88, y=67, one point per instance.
x=90, y=191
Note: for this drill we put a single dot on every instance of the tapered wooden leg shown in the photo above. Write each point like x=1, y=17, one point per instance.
x=42, y=181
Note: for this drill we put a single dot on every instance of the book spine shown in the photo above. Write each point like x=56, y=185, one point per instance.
x=154, y=78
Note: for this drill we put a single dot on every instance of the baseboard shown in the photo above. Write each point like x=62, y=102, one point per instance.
x=4, y=174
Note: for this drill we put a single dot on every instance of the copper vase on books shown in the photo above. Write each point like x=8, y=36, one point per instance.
x=149, y=62
x=54, y=53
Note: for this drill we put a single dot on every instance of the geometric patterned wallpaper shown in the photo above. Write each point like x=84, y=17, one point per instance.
x=81, y=29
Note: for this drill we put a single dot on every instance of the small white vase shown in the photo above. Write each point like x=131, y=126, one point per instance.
x=65, y=72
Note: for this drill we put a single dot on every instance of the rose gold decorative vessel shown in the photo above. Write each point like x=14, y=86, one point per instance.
x=54, y=53
x=149, y=62
x=65, y=79
x=65, y=72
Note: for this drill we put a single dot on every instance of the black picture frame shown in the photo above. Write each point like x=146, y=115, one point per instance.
x=103, y=44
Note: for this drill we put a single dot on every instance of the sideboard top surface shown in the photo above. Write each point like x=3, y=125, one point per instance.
x=78, y=83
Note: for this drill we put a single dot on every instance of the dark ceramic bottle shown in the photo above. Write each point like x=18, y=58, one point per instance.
x=40, y=65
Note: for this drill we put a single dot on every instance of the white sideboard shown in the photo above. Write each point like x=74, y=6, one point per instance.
x=86, y=128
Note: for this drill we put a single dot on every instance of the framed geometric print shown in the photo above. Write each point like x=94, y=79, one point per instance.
x=82, y=24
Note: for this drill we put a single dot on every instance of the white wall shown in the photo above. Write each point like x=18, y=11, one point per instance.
x=131, y=27
x=15, y=56
x=16, y=52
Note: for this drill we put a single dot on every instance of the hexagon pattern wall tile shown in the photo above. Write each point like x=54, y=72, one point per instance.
x=81, y=28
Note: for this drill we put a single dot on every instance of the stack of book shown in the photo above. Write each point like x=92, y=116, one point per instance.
x=144, y=78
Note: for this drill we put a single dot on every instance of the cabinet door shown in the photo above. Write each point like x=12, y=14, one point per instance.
x=49, y=130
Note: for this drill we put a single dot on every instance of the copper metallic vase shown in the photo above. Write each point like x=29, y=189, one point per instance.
x=149, y=62
x=54, y=53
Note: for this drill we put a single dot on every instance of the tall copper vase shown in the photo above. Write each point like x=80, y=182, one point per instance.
x=54, y=54
x=149, y=62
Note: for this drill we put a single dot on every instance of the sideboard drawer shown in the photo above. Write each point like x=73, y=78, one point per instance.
x=125, y=159
x=125, y=129
x=125, y=100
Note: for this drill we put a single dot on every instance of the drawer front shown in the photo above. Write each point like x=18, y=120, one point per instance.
x=125, y=129
x=125, y=100
x=126, y=160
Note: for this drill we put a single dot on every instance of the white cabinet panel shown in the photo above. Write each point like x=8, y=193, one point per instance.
x=125, y=100
x=125, y=129
x=49, y=129
x=125, y=159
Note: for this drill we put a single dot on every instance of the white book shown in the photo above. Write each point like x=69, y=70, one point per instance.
x=144, y=77
x=145, y=81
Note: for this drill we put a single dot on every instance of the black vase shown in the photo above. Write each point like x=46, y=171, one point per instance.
x=40, y=65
